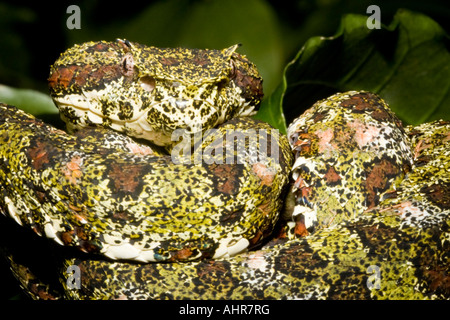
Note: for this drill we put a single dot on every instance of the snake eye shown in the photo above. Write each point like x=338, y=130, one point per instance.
x=147, y=83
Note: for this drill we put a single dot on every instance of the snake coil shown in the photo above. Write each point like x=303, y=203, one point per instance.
x=242, y=212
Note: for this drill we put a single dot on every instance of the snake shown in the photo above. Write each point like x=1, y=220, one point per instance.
x=164, y=186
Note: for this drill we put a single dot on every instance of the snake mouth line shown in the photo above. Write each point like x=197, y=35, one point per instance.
x=78, y=115
x=83, y=104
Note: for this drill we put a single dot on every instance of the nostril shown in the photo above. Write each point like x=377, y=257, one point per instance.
x=147, y=83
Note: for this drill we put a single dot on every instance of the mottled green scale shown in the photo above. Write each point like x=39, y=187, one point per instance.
x=350, y=148
x=341, y=262
x=137, y=206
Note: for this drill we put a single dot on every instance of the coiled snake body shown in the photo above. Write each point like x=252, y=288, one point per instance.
x=364, y=194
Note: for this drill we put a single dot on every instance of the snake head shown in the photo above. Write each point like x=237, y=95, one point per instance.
x=150, y=92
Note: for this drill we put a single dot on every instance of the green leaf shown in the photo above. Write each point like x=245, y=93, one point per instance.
x=271, y=109
x=31, y=101
x=407, y=63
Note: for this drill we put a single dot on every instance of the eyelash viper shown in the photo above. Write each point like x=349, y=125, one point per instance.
x=365, y=193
